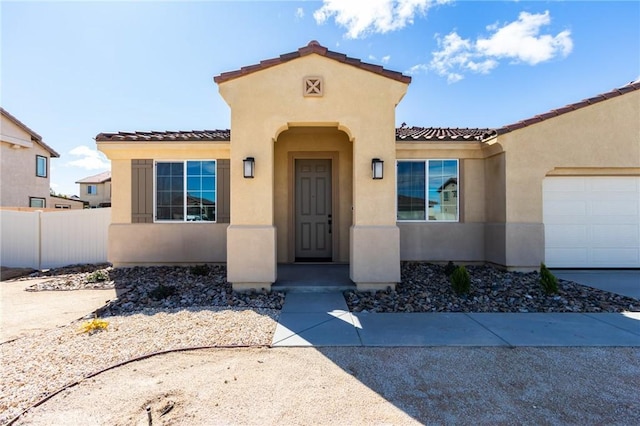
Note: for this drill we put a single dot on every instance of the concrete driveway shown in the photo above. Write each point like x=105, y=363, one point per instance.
x=620, y=281
x=25, y=312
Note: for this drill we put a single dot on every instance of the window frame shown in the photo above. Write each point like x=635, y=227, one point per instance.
x=44, y=202
x=46, y=166
x=184, y=205
x=426, y=162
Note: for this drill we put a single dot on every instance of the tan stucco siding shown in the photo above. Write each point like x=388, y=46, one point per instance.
x=604, y=135
x=304, y=142
x=18, y=168
x=167, y=243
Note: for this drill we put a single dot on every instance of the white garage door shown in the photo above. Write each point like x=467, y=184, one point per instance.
x=592, y=222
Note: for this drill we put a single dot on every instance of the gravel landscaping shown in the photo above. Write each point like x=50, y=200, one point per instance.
x=427, y=288
x=424, y=288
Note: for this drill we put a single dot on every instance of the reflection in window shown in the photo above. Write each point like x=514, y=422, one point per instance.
x=186, y=191
x=428, y=190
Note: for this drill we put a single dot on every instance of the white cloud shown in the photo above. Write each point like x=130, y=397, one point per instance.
x=299, y=13
x=363, y=17
x=519, y=41
x=89, y=159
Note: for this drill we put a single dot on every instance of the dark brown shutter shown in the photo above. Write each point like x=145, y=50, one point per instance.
x=142, y=191
x=224, y=193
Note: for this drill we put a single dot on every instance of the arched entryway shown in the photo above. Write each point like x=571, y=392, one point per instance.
x=313, y=194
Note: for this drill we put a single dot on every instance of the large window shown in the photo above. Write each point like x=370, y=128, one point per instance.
x=92, y=189
x=185, y=191
x=428, y=190
x=41, y=166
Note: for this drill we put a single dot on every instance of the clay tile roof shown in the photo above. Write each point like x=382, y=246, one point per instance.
x=34, y=136
x=311, y=48
x=437, y=134
x=633, y=86
x=99, y=178
x=179, y=136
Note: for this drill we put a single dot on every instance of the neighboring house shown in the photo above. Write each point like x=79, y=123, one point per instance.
x=25, y=165
x=96, y=190
x=313, y=168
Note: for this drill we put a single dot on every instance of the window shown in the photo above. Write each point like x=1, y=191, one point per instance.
x=63, y=206
x=185, y=191
x=92, y=189
x=41, y=166
x=428, y=190
x=37, y=202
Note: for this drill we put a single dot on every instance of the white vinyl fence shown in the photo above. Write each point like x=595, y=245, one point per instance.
x=42, y=240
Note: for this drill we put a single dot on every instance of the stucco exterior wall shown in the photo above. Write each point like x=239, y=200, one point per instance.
x=18, y=167
x=159, y=243
x=167, y=243
x=462, y=241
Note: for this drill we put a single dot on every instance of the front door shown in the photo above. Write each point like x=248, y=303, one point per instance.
x=313, y=210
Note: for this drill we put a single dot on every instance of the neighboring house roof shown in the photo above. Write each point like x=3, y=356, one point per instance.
x=99, y=178
x=317, y=48
x=633, y=86
x=153, y=136
x=447, y=183
x=34, y=136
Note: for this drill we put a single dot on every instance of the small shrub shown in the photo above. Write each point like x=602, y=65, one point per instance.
x=460, y=281
x=162, y=292
x=450, y=268
x=93, y=326
x=201, y=270
x=99, y=275
x=548, y=281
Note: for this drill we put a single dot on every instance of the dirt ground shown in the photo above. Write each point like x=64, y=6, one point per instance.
x=303, y=386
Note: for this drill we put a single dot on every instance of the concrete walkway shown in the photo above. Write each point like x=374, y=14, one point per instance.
x=323, y=319
x=25, y=312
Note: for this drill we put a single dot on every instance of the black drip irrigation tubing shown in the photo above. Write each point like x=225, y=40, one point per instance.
x=129, y=361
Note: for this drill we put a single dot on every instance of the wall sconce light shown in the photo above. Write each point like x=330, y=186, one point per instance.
x=377, y=166
x=249, y=167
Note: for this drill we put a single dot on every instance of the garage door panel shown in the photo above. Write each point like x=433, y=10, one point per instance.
x=558, y=257
x=566, y=235
x=592, y=221
x=612, y=207
x=621, y=236
x=623, y=258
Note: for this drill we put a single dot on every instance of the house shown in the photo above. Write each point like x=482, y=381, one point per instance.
x=96, y=189
x=25, y=165
x=314, y=169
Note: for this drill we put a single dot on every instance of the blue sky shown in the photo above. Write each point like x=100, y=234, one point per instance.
x=70, y=70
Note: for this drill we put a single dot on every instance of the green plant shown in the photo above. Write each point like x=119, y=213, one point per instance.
x=461, y=281
x=201, y=270
x=548, y=281
x=99, y=275
x=93, y=326
x=450, y=268
x=162, y=292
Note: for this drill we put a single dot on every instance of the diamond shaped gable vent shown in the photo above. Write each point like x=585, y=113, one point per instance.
x=313, y=86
